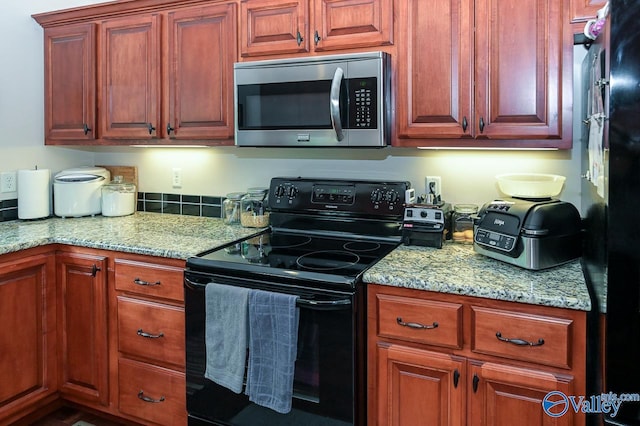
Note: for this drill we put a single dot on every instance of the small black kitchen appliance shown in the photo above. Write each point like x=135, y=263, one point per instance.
x=426, y=224
x=534, y=234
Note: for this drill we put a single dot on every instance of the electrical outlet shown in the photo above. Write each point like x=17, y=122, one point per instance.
x=8, y=182
x=433, y=185
x=176, y=178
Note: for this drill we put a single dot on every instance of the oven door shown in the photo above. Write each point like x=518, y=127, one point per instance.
x=324, y=379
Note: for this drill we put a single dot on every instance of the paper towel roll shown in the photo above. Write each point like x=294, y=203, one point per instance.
x=34, y=193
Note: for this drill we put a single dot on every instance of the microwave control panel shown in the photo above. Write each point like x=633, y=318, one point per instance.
x=363, y=109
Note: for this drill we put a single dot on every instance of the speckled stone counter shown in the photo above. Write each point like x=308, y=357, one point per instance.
x=457, y=269
x=153, y=234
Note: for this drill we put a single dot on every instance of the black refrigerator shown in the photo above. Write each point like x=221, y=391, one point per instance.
x=611, y=207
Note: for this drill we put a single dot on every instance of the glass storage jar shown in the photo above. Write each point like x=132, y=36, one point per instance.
x=462, y=223
x=118, y=197
x=231, y=208
x=253, y=211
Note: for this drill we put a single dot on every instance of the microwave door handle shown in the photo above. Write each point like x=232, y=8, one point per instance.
x=334, y=103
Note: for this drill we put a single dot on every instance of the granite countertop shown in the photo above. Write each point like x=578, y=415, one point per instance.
x=153, y=234
x=457, y=269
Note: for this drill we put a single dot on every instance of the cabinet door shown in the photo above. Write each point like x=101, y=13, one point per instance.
x=345, y=24
x=70, y=83
x=82, y=326
x=130, y=78
x=273, y=27
x=503, y=394
x=523, y=75
x=27, y=339
x=434, y=69
x=202, y=50
x=418, y=387
x=583, y=10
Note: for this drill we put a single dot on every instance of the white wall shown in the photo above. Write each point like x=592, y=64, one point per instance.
x=467, y=176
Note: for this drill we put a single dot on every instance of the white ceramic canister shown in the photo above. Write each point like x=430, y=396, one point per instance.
x=118, y=198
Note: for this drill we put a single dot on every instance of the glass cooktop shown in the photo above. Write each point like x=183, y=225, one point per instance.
x=311, y=257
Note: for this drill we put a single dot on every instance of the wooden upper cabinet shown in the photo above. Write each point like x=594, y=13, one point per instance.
x=273, y=27
x=70, y=83
x=509, y=85
x=583, y=10
x=434, y=69
x=130, y=78
x=201, y=53
x=279, y=27
x=520, y=83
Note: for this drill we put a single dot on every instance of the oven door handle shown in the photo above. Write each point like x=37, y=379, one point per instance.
x=334, y=103
x=323, y=303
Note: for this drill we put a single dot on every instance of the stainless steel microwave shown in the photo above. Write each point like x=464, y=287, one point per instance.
x=320, y=101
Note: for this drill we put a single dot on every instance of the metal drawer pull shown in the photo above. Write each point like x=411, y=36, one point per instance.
x=141, y=282
x=519, y=342
x=148, y=335
x=416, y=324
x=147, y=399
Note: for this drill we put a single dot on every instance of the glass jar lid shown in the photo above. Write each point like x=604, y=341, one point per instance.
x=465, y=208
x=119, y=185
x=235, y=195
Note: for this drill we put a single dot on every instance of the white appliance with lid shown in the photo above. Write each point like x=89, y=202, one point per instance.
x=77, y=192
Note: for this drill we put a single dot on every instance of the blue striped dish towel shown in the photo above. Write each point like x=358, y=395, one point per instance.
x=273, y=339
x=226, y=335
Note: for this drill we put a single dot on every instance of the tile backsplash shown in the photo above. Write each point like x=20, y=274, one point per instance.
x=192, y=205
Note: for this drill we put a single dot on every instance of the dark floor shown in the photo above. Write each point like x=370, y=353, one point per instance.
x=67, y=416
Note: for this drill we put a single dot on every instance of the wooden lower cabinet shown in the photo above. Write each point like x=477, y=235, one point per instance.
x=28, y=367
x=149, y=340
x=82, y=327
x=484, y=374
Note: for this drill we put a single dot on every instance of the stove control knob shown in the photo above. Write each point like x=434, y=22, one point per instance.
x=392, y=196
x=292, y=191
x=377, y=196
x=279, y=191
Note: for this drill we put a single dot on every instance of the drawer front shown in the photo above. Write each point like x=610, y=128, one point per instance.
x=521, y=336
x=421, y=321
x=149, y=279
x=152, y=393
x=151, y=330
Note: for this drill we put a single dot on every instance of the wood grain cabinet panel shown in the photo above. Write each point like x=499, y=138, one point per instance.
x=28, y=364
x=130, y=75
x=82, y=327
x=484, y=73
x=201, y=54
x=70, y=83
x=289, y=27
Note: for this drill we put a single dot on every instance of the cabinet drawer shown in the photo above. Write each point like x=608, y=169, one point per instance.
x=422, y=321
x=522, y=336
x=152, y=393
x=150, y=279
x=151, y=330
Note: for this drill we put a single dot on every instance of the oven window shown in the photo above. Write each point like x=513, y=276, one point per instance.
x=294, y=105
x=323, y=382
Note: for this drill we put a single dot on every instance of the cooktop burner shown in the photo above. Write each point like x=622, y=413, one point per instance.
x=303, y=256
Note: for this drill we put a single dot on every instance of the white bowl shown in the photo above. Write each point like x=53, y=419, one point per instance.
x=530, y=185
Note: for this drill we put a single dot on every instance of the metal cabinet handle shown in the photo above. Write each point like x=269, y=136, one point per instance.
x=416, y=325
x=148, y=335
x=519, y=342
x=95, y=270
x=299, y=38
x=476, y=380
x=465, y=124
x=86, y=128
x=316, y=37
x=142, y=396
x=169, y=129
x=481, y=124
x=138, y=281
x=151, y=128
x=456, y=378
